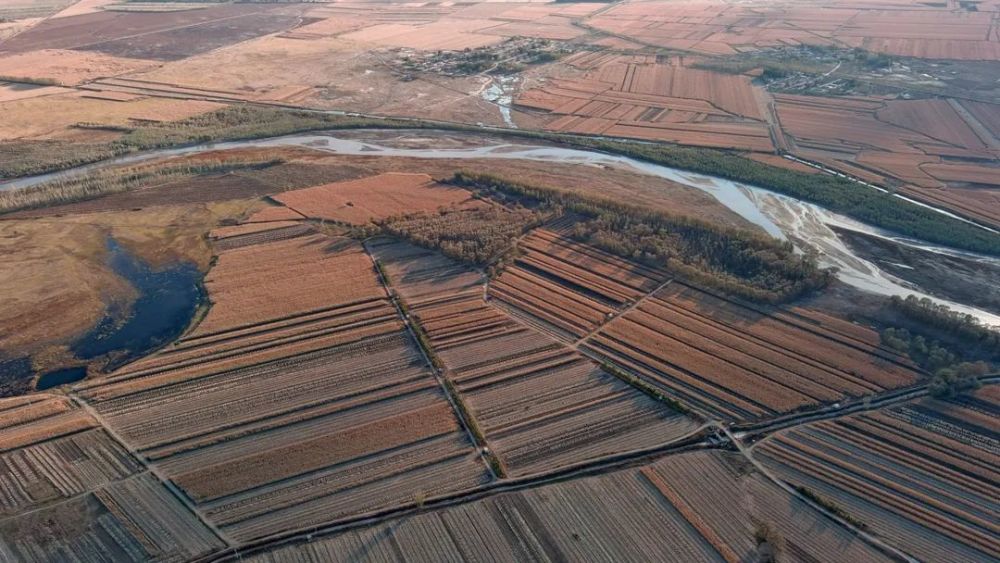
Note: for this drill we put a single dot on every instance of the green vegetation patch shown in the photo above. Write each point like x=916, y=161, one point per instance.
x=955, y=348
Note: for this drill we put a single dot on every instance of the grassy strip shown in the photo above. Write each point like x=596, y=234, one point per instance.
x=498, y=466
x=116, y=180
x=831, y=506
x=647, y=389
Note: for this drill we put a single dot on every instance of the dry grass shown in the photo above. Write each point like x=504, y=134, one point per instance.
x=370, y=199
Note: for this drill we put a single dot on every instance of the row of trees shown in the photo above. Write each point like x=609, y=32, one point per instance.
x=732, y=260
x=957, y=349
x=831, y=192
x=482, y=235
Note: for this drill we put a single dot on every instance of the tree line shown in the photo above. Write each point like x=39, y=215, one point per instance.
x=735, y=261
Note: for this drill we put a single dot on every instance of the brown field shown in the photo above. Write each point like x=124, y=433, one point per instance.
x=370, y=199
x=56, y=278
x=67, y=485
x=719, y=28
x=689, y=507
x=10, y=92
x=539, y=403
x=570, y=288
x=741, y=363
x=265, y=281
x=301, y=381
x=51, y=116
x=639, y=97
x=68, y=68
x=110, y=32
x=922, y=476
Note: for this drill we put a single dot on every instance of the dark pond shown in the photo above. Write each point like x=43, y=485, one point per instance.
x=168, y=298
x=60, y=377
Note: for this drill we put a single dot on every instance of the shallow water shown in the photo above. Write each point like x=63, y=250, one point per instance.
x=60, y=377
x=168, y=299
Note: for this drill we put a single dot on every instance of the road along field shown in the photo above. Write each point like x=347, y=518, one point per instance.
x=742, y=363
x=68, y=487
x=299, y=398
x=540, y=404
x=935, y=150
x=922, y=476
x=568, y=287
x=703, y=506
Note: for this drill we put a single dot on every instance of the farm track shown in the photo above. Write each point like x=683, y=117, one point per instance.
x=707, y=437
x=153, y=470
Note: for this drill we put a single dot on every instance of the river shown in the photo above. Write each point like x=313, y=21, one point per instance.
x=781, y=216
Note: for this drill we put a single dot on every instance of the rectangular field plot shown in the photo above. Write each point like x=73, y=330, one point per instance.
x=732, y=361
x=135, y=519
x=312, y=405
x=303, y=440
x=61, y=476
x=691, y=507
x=923, y=476
x=540, y=404
x=567, y=288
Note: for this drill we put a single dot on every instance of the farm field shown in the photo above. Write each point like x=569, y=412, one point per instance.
x=640, y=97
x=740, y=363
x=539, y=403
x=359, y=202
x=922, y=475
x=570, y=288
x=507, y=280
x=700, y=506
x=66, y=485
x=316, y=407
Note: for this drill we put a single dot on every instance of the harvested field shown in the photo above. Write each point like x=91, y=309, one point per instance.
x=318, y=401
x=33, y=420
x=52, y=116
x=639, y=97
x=922, y=476
x=185, y=41
x=111, y=32
x=570, y=288
x=922, y=29
x=12, y=10
x=265, y=281
x=370, y=199
x=274, y=213
x=67, y=486
x=68, y=68
x=231, y=231
x=10, y=92
x=741, y=363
x=690, y=507
x=540, y=404
x=445, y=35
x=135, y=519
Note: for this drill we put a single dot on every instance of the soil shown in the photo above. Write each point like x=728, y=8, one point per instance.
x=947, y=277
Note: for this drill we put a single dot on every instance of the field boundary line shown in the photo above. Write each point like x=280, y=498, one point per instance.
x=435, y=371
x=692, y=441
x=871, y=540
x=620, y=313
x=154, y=471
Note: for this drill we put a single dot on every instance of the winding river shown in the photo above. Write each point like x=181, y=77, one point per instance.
x=779, y=215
